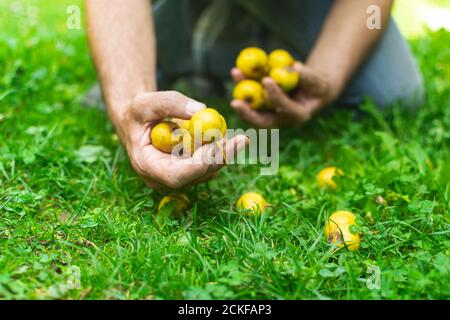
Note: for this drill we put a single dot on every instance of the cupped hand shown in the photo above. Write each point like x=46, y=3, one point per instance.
x=160, y=170
x=313, y=92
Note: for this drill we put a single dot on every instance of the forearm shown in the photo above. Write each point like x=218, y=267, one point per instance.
x=122, y=44
x=345, y=41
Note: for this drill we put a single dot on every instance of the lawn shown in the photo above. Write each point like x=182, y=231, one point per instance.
x=76, y=222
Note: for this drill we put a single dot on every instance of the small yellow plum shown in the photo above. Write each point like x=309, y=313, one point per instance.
x=325, y=177
x=280, y=59
x=208, y=124
x=287, y=78
x=162, y=137
x=251, y=92
x=252, y=201
x=180, y=200
x=253, y=63
x=337, y=230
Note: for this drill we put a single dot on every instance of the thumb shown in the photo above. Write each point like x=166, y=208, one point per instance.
x=310, y=80
x=151, y=106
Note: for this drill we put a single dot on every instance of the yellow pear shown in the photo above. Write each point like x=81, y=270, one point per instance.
x=252, y=201
x=280, y=59
x=163, y=138
x=287, y=78
x=251, y=92
x=253, y=63
x=337, y=230
x=181, y=203
x=208, y=124
x=325, y=177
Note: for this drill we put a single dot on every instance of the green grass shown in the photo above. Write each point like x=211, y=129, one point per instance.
x=65, y=206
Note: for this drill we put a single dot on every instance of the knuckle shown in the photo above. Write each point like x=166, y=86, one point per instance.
x=171, y=97
x=139, y=101
x=137, y=106
x=174, y=93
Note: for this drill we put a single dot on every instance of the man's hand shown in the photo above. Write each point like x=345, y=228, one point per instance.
x=313, y=93
x=344, y=43
x=160, y=170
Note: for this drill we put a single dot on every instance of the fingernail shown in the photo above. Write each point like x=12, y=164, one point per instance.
x=193, y=106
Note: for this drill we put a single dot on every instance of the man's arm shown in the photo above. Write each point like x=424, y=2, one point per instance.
x=122, y=42
x=346, y=41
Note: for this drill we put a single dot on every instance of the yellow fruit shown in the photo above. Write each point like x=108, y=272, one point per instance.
x=280, y=59
x=180, y=200
x=325, y=177
x=181, y=123
x=252, y=201
x=337, y=230
x=287, y=78
x=251, y=92
x=188, y=142
x=163, y=138
x=209, y=124
x=253, y=63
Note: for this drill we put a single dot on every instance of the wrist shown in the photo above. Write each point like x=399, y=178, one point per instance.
x=118, y=112
x=336, y=86
x=119, y=94
x=333, y=81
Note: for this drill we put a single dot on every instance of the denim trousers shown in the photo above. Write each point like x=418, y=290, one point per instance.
x=204, y=37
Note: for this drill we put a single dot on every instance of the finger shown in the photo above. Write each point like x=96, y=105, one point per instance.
x=279, y=100
x=169, y=170
x=151, y=106
x=258, y=119
x=215, y=155
x=231, y=147
x=237, y=75
x=209, y=159
x=315, y=83
x=174, y=173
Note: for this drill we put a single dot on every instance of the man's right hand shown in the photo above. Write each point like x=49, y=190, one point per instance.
x=160, y=170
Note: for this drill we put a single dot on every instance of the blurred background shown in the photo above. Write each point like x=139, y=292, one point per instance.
x=413, y=16
x=416, y=16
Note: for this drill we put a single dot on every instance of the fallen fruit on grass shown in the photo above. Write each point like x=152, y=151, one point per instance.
x=280, y=59
x=287, y=78
x=181, y=203
x=163, y=138
x=337, y=230
x=252, y=201
x=209, y=124
x=251, y=92
x=253, y=63
x=325, y=177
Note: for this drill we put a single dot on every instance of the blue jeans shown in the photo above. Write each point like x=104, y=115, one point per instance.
x=204, y=37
